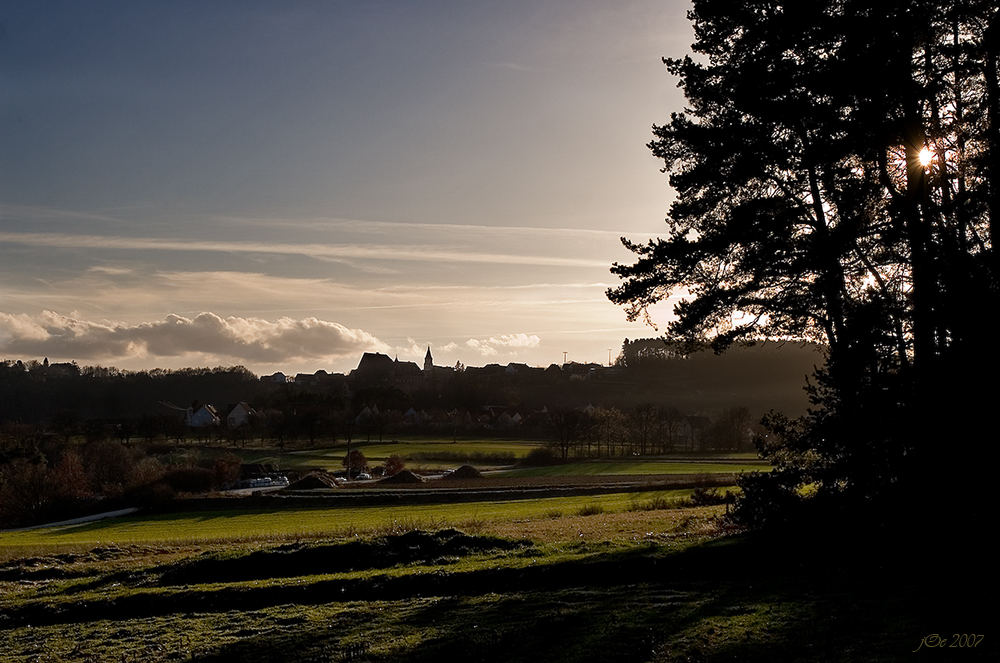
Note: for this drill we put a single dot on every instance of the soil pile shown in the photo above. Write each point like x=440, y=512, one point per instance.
x=465, y=472
x=313, y=481
x=403, y=476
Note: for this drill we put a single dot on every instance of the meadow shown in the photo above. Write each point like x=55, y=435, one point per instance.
x=642, y=575
x=435, y=454
x=635, y=467
x=290, y=523
x=419, y=449
x=668, y=585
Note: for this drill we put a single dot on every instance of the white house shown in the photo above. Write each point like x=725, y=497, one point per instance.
x=202, y=417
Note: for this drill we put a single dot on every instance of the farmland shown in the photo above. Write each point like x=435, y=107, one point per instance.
x=636, y=467
x=586, y=561
x=435, y=454
x=664, y=585
x=295, y=523
x=494, y=452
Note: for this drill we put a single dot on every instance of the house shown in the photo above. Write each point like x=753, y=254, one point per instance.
x=373, y=367
x=240, y=415
x=201, y=416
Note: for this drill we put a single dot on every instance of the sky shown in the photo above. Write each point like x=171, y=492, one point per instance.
x=286, y=185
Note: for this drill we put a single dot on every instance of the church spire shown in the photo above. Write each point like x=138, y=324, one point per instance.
x=428, y=360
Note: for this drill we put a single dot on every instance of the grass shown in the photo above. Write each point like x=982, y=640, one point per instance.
x=332, y=457
x=124, y=610
x=285, y=523
x=422, y=452
x=634, y=467
x=666, y=600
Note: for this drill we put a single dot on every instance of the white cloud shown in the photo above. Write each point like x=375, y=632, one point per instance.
x=109, y=270
x=489, y=347
x=206, y=336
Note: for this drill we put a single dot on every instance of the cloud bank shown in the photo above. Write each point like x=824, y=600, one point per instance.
x=207, y=335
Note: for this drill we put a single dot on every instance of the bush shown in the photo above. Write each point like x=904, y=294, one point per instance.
x=226, y=469
x=541, y=457
x=655, y=504
x=590, y=510
x=768, y=499
x=393, y=465
x=355, y=462
x=702, y=496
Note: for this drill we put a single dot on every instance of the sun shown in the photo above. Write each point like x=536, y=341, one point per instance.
x=926, y=156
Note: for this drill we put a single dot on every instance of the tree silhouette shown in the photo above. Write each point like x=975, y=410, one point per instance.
x=834, y=176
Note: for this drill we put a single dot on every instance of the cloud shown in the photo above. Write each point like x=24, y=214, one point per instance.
x=207, y=336
x=320, y=251
x=491, y=346
x=369, y=226
x=109, y=270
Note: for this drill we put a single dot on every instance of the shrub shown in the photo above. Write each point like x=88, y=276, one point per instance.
x=393, y=464
x=190, y=479
x=702, y=496
x=654, y=504
x=226, y=469
x=590, y=510
x=768, y=499
x=355, y=461
x=540, y=457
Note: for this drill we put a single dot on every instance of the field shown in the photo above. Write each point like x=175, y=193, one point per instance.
x=663, y=585
x=434, y=454
x=295, y=523
x=493, y=452
x=588, y=561
x=636, y=467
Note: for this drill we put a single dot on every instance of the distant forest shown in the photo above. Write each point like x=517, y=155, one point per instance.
x=759, y=378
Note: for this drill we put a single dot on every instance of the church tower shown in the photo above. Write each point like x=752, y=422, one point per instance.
x=428, y=361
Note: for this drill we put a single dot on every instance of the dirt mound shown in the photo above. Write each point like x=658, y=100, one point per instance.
x=312, y=482
x=465, y=472
x=298, y=559
x=403, y=476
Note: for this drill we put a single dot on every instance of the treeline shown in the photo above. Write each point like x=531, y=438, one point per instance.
x=95, y=402
x=44, y=478
x=67, y=394
x=647, y=430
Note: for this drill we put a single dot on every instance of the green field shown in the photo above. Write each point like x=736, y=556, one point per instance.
x=435, y=453
x=448, y=451
x=674, y=597
x=611, y=467
x=283, y=523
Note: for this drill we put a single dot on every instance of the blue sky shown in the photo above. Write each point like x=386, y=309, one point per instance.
x=288, y=184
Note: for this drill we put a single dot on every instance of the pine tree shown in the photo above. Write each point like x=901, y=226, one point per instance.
x=834, y=176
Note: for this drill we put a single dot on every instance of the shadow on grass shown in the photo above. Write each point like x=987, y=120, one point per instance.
x=736, y=599
x=740, y=599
